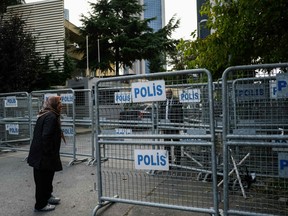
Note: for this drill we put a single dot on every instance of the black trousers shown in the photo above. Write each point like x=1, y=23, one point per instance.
x=44, y=188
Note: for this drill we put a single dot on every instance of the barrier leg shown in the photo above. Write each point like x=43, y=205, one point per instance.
x=238, y=176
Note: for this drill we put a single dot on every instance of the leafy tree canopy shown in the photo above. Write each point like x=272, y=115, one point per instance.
x=21, y=65
x=123, y=36
x=5, y=3
x=22, y=68
x=244, y=32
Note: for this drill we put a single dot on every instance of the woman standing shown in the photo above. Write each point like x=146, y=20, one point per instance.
x=44, y=154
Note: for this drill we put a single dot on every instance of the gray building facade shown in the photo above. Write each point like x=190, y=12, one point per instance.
x=202, y=31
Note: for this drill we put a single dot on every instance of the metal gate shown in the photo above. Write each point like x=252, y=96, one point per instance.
x=149, y=159
x=84, y=124
x=14, y=121
x=18, y=115
x=255, y=122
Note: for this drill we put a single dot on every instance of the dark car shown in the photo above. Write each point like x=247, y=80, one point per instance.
x=140, y=113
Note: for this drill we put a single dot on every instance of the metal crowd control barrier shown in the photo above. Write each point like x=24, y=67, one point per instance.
x=14, y=121
x=69, y=119
x=255, y=123
x=84, y=124
x=151, y=159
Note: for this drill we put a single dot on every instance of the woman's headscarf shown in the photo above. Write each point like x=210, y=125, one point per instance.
x=50, y=105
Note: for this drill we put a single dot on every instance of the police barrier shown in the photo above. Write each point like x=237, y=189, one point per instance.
x=84, y=124
x=151, y=157
x=14, y=121
x=254, y=141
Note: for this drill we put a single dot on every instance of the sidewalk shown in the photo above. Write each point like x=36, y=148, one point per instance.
x=75, y=186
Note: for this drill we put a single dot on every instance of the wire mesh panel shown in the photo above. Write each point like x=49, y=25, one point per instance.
x=14, y=120
x=156, y=137
x=84, y=123
x=255, y=121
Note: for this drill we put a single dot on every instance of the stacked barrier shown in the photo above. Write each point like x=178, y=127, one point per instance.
x=84, y=124
x=255, y=122
x=132, y=145
x=14, y=121
x=232, y=138
x=18, y=115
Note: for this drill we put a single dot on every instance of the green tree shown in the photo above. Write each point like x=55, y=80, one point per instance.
x=5, y=3
x=245, y=32
x=21, y=65
x=123, y=36
x=22, y=68
x=163, y=46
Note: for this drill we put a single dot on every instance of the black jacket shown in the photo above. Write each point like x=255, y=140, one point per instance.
x=44, y=151
x=175, y=113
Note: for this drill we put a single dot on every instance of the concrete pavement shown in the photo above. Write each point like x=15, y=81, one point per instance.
x=74, y=185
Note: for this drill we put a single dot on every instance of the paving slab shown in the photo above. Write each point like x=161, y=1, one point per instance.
x=75, y=186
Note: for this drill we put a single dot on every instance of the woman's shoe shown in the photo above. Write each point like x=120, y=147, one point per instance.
x=54, y=200
x=48, y=207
